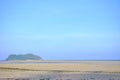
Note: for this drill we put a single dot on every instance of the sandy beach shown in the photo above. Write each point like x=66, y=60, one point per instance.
x=84, y=70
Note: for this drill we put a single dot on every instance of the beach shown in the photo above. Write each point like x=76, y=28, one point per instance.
x=60, y=70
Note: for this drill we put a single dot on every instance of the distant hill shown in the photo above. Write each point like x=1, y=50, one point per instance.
x=23, y=57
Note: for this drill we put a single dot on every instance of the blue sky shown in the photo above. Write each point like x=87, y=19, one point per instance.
x=61, y=29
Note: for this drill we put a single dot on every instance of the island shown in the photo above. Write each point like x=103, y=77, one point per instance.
x=24, y=57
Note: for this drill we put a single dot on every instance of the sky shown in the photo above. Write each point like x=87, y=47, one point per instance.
x=61, y=29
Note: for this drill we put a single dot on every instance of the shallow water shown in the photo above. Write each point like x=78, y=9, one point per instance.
x=55, y=62
x=59, y=76
x=13, y=62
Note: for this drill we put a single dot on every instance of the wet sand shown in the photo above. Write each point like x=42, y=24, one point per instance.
x=85, y=70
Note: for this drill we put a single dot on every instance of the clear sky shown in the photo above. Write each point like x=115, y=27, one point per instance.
x=61, y=29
